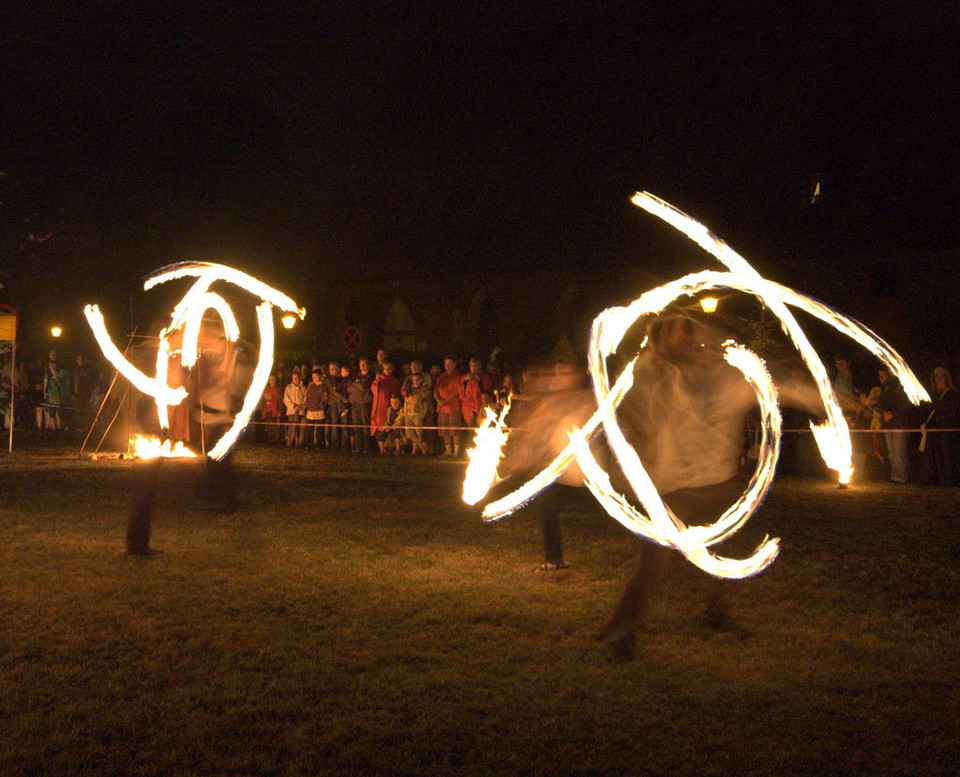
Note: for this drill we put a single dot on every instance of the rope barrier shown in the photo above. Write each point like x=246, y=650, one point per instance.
x=509, y=429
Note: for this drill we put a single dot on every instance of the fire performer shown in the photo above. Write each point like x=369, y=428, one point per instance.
x=554, y=400
x=685, y=416
x=212, y=384
x=147, y=480
x=218, y=378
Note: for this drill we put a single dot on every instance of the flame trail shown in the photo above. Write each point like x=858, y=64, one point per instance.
x=490, y=438
x=657, y=523
x=188, y=315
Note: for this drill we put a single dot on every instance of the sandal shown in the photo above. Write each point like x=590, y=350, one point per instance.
x=548, y=567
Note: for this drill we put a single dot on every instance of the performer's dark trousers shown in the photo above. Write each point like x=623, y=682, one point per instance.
x=694, y=506
x=146, y=481
x=547, y=508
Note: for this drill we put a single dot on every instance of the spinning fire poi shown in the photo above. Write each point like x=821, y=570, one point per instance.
x=186, y=325
x=653, y=519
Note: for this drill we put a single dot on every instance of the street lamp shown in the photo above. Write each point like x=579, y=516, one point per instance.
x=56, y=331
x=288, y=321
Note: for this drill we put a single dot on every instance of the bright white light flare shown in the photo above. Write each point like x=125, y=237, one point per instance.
x=658, y=524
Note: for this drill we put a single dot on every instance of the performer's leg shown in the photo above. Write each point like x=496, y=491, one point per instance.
x=547, y=507
x=145, y=490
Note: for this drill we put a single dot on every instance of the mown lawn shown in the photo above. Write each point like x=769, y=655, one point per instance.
x=353, y=617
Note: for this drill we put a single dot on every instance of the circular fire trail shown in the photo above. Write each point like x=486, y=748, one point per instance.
x=654, y=521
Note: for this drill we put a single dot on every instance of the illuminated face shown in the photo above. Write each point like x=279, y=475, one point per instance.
x=344, y=371
x=272, y=381
x=295, y=379
x=333, y=369
x=387, y=368
x=364, y=367
x=449, y=365
x=416, y=367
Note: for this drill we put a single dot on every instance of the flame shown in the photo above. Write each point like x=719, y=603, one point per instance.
x=151, y=448
x=188, y=316
x=656, y=522
x=484, y=457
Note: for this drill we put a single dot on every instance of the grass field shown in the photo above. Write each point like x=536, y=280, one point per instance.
x=354, y=617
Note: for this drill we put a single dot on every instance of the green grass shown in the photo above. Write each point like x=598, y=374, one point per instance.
x=355, y=618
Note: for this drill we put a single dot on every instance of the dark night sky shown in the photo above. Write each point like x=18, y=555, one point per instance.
x=307, y=143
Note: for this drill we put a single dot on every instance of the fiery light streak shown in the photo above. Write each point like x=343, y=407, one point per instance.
x=188, y=315
x=657, y=523
x=490, y=438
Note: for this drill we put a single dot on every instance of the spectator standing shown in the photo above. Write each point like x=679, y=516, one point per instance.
x=8, y=392
x=314, y=412
x=360, y=397
x=476, y=383
x=294, y=399
x=448, y=393
x=385, y=385
x=940, y=448
x=416, y=405
x=343, y=388
x=895, y=414
x=844, y=388
x=270, y=409
x=53, y=391
x=23, y=408
x=336, y=403
x=64, y=377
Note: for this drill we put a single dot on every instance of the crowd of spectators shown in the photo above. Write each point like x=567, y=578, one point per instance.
x=393, y=407
x=51, y=394
x=892, y=439
x=367, y=406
